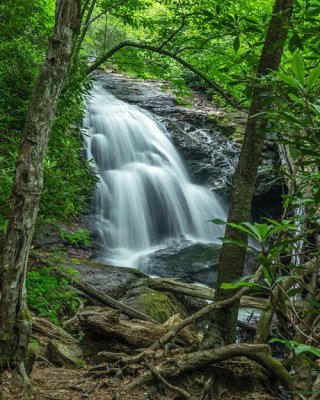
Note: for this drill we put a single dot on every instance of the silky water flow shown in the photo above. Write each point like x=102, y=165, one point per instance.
x=144, y=197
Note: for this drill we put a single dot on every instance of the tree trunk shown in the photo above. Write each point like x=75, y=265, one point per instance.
x=15, y=321
x=222, y=326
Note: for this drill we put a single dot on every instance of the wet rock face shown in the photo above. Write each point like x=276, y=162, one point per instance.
x=201, y=133
x=210, y=157
x=190, y=263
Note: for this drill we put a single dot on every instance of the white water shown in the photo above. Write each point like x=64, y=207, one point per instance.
x=144, y=196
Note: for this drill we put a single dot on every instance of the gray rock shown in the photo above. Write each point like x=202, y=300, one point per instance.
x=190, y=263
x=35, y=350
x=111, y=280
x=65, y=355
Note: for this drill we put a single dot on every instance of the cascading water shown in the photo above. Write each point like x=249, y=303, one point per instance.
x=144, y=196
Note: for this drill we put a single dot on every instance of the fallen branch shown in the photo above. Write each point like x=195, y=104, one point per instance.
x=205, y=311
x=103, y=298
x=187, y=289
x=136, y=333
x=76, y=316
x=48, y=329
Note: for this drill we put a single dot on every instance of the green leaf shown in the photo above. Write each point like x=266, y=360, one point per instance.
x=218, y=221
x=236, y=44
x=313, y=77
x=240, y=228
x=236, y=285
x=294, y=152
x=297, y=100
x=304, y=348
x=289, y=80
x=298, y=67
x=236, y=242
x=316, y=107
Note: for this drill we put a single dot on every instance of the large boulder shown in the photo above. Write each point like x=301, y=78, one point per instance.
x=160, y=306
x=65, y=355
x=190, y=262
x=111, y=280
x=197, y=262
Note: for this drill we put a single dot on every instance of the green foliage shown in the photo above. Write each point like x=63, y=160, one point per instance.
x=78, y=238
x=68, y=184
x=298, y=348
x=49, y=296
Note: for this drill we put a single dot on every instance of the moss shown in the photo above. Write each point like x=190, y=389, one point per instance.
x=231, y=124
x=35, y=349
x=158, y=305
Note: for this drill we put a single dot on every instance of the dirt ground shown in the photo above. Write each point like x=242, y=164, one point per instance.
x=65, y=384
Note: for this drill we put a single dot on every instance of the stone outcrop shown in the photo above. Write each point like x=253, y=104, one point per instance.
x=207, y=136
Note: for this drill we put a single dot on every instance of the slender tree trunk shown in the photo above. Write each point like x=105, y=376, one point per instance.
x=222, y=326
x=15, y=322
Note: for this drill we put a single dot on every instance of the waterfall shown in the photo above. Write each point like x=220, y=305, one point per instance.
x=144, y=196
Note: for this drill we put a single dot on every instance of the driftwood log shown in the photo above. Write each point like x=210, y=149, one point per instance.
x=48, y=329
x=187, y=289
x=136, y=333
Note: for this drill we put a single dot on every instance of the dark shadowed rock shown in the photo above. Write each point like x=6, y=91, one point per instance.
x=190, y=263
x=111, y=280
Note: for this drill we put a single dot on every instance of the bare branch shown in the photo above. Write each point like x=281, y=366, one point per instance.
x=213, y=85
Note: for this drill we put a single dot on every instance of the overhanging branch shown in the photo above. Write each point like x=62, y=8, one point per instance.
x=213, y=85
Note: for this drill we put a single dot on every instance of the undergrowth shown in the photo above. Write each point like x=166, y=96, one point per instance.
x=50, y=296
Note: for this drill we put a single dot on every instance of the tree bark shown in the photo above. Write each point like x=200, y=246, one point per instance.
x=222, y=326
x=15, y=321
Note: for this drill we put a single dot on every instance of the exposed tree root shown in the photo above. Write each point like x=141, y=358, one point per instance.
x=182, y=364
x=156, y=374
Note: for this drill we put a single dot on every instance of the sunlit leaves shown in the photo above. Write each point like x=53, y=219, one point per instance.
x=298, y=67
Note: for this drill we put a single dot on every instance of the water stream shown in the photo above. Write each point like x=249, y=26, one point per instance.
x=144, y=197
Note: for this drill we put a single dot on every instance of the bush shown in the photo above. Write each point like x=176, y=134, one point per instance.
x=50, y=296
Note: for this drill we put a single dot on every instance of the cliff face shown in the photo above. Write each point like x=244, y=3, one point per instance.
x=208, y=137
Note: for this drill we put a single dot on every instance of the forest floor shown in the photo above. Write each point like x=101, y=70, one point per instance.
x=50, y=383
x=237, y=379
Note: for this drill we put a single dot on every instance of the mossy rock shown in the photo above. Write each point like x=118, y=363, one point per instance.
x=158, y=305
x=35, y=349
x=65, y=355
x=109, y=279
